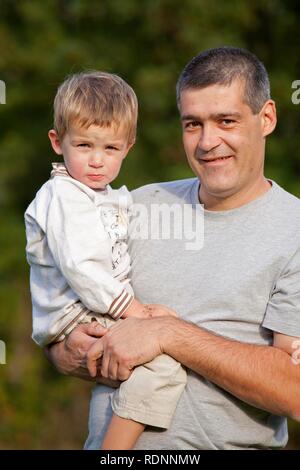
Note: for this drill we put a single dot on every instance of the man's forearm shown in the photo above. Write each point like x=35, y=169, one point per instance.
x=262, y=376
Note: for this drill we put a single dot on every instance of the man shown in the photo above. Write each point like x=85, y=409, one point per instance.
x=238, y=298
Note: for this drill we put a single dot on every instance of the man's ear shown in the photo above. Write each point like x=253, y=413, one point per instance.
x=268, y=117
x=55, y=141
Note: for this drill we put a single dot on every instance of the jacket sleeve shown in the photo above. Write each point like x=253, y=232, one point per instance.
x=82, y=250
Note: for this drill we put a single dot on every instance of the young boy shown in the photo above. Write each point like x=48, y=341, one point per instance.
x=76, y=231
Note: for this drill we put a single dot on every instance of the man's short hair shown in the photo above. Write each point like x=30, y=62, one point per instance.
x=223, y=65
x=95, y=98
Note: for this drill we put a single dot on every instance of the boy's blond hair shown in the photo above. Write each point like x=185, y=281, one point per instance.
x=95, y=98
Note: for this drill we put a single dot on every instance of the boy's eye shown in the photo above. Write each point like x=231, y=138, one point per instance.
x=111, y=147
x=82, y=145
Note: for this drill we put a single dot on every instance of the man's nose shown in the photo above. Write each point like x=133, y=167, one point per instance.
x=96, y=159
x=209, y=138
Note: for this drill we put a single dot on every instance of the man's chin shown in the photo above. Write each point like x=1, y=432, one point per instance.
x=217, y=193
x=220, y=189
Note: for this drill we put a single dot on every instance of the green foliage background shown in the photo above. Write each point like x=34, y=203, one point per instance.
x=147, y=42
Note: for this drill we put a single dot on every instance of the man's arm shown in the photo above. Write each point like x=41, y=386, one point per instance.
x=263, y=376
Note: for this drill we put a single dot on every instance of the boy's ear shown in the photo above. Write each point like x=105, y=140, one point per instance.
x=55, y=142
x=128, y=148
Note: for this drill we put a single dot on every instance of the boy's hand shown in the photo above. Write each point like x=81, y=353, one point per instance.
x=139, y=310
x=135, y=309
x=157, y=310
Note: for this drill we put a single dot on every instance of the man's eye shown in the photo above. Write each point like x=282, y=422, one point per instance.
x=192, y=125
x=227, y=122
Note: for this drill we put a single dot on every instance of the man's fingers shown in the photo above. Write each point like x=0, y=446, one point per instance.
x=123, y=373
x=95, y=329
x=172, y=313
x=105, y=365
x=107, y=382
x=93, y=354
x=113, y=370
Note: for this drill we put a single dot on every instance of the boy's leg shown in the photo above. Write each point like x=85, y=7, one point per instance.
x=148, y=397
x=122, y=434
x=151, y=393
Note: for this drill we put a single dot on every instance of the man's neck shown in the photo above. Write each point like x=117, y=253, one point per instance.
x=215, y=203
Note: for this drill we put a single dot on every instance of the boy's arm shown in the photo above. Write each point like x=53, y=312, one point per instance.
x=81, y=248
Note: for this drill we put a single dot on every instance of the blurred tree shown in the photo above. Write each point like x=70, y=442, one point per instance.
x=147, y=42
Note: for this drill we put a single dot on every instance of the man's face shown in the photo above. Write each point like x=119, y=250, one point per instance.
x=223, y=140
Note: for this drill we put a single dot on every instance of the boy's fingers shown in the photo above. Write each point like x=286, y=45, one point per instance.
x=162, y=310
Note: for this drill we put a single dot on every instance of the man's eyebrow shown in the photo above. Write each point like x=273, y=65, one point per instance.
x=189, y=117
x=225, y=115
x=215, y=116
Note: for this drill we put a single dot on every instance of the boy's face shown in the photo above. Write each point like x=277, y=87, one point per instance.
x=94, y=155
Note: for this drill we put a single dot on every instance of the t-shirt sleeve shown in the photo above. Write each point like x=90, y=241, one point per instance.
x=82, y=250
x=283, y=309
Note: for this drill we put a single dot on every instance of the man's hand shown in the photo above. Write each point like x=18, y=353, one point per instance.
x=69, y=356
x=138, y=311
x=127, y=344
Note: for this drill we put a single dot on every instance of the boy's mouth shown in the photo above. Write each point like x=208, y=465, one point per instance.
x=95, y=177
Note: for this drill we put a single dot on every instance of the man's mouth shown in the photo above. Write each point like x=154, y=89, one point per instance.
x=215, y=159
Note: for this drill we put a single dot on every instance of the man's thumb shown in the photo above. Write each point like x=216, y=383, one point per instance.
x=95, y=329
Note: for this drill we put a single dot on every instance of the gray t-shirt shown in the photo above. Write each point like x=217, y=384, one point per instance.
x=242, y=284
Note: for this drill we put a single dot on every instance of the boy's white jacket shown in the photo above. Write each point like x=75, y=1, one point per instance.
x=77, y=250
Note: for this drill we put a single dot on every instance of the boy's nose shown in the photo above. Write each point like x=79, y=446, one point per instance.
x=96, y=160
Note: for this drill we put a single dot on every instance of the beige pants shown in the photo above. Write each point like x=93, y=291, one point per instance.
x=151, y=393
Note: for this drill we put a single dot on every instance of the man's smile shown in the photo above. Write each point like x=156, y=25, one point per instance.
x=212, y=161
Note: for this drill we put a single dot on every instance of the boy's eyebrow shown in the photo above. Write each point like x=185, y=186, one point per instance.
x=80, y=139
x=94, y=139
x=214, y=116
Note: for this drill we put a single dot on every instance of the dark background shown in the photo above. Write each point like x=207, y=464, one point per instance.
x=147, y=42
